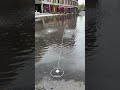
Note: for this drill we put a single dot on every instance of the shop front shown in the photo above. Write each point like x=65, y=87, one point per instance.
x=46, y=8
x=38, y=8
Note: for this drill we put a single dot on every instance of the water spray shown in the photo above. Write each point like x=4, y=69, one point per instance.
x=58, y=72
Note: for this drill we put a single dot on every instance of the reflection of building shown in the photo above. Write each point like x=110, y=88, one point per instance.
x=62, y=21
x=56, y=6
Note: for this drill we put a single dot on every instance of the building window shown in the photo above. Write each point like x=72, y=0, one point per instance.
x=53, y=1
x=62, y=1
x=65, y=1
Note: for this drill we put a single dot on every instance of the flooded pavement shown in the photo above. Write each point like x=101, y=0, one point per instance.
x=48, y=36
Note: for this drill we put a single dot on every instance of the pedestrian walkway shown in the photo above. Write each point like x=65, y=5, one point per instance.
x=82, y=13
x=38, y=15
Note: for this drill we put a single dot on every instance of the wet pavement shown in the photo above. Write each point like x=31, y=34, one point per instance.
x=48, y=36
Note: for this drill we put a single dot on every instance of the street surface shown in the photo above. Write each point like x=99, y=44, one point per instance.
x=48, y=36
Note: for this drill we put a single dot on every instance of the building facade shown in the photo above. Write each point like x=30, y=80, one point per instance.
x=56, y=6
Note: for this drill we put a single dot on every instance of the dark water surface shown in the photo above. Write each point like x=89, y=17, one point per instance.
x=48, y=36
x=16, y=45
x=102, y=45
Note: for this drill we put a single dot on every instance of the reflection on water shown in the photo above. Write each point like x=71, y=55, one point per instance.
x=48, y=36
